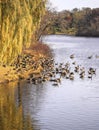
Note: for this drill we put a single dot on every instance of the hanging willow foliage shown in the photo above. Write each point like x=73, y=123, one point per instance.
x=18, y=22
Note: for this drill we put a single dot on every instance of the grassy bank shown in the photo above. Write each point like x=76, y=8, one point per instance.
x=29, y=62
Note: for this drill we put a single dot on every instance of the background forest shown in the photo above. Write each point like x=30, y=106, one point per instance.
x=84, y=22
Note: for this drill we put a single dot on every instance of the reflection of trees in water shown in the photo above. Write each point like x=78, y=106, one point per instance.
x=32, y=100
x=33, y=97
x=11, y=117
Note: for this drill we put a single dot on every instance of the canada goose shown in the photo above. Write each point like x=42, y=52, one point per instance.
x=74, y=63
x=71, y=76
x=92, y=71
x=56, y=63
x=45, y=78
x=63, y=73
x=82, y=72
x=34, y=81
x=67, y=64
x=90, y=77
x=55, y=84
x=71, y=73
x=89, y=57
x=61, y=63
x=67, y=77
x=76, y=68
x=60, y=66
x=53, y=80
x=57, y=69
x=59, y=79
x=72, y=56
x=56, y=80
x=51, y=74
x=82, y=75
x=89, y=72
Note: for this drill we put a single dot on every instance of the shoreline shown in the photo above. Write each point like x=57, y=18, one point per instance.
x=64, y=34
x=29, y=63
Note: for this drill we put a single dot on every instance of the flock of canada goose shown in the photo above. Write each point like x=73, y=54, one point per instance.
x=54, y=72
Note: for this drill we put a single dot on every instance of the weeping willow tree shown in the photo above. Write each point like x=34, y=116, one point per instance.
x=18, y=22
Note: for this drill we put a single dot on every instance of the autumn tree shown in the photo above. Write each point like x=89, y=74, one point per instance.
x=19, y=20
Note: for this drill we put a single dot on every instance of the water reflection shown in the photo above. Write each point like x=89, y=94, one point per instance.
x=32, y=98
x=12, y=116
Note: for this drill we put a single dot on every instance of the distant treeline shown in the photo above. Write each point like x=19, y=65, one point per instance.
x=84, y=22
x=19, y=21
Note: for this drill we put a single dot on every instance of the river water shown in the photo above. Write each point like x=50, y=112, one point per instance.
x=73, y=105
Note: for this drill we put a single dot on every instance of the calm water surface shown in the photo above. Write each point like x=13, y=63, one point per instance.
x=73, y=105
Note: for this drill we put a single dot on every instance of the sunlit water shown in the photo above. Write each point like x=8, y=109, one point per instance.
x=73, y=105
